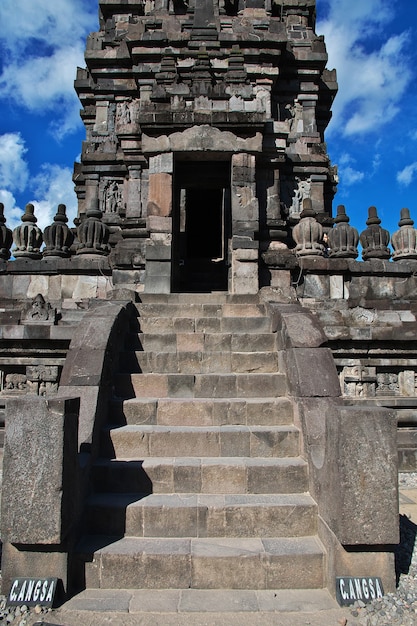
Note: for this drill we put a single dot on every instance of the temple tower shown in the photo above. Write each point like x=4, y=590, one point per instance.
x=205, y=129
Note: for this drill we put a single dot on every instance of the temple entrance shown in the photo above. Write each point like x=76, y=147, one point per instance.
x=201, y=226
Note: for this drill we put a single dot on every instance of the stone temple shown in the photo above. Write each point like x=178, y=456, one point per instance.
x=202, y=384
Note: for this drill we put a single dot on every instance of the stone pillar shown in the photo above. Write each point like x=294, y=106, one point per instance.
x=309, y=102
x=159, y=223
x=101, y=121
x=133, y=194
x=245, y=223
x=91, y=192
x=317, y=192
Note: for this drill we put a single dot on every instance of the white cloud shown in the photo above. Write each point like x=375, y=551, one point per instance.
x=14, y=171
x=42, y=44
x=406, y=176
x=348, y=174
x=46, y=83
x=373, y=69
x=53, y=186
x=42, y=81
x=54, y=24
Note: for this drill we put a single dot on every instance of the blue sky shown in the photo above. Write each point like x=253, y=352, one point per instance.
x=372, y=137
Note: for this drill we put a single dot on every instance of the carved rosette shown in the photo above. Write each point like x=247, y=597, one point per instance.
x=58, y=236
x=374, y=239
x=93, y=235
x=6, y=236
x=308, y=233
x=343, y=238
x=404, y=241
x=28, y=237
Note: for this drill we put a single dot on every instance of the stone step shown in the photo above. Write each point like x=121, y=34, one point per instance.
x=203, y=563
x=214, y=441
x=209, y=475
x=196, y=362
x=196, y=515
x=205, y=324
x=198, y=310
x=196, y=606
x=185, y=298
x=233, y=385
x=199, y=341
x=203, y=411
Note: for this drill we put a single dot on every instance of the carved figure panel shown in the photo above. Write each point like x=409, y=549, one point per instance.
x=358, y=381
x=41, y=380
x=123, y=115
x=112, y=196
x=293, y=196
x=387, y=384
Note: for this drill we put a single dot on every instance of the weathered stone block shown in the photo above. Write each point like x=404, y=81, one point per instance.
x=367, y=473
x=312, y=372
x=39, y=470
x=343, y=437
x=160, y=195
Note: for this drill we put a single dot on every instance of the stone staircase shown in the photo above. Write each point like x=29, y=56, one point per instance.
x=200, y=483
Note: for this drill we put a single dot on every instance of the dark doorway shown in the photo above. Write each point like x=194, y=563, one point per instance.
x=201, y=228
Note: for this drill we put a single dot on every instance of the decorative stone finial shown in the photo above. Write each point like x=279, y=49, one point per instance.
x=308, y=233
x=93, y=235
x=6, y=237
x=58, y=236
x=343, y=238
x=28, y=237
x=374, y=239
x=404, y=241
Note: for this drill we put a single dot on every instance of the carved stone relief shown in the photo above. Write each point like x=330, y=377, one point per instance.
x=41, y=380
x=387, y=384
x=293, y=196
x=39, y=312
x=358, y=381
x=112, y=196
x=367, y=382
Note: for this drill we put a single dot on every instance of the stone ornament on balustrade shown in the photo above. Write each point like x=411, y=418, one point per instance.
x=6, y=236
x=343, y=238
x=308, y=233
x=27, y=237
x=374, y=239
x=93, y=234
x=404, y=241
x=58, y=236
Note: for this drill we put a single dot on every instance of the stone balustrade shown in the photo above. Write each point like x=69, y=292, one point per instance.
x=310, y=238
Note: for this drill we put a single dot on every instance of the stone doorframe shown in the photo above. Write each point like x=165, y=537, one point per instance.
x=208, y=142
